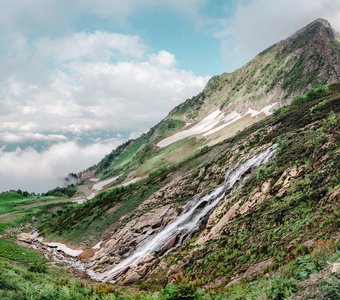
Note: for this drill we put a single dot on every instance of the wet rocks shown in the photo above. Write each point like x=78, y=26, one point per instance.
x=124, y=241
x=170, y=244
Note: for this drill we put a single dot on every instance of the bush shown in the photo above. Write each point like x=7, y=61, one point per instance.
x=281, y=287
x=38, y=268
x=314, y=93
x=261, y=173
x=68, y=191
x=322, y=251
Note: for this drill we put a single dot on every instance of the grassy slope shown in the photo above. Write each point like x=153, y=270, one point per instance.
x=27, y=274
x=24, y=274
x=16, y=208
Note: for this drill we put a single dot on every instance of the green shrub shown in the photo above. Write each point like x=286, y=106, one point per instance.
x=261, y=173
x=331, y=287
x=314, y=93
x=322, y=251
x=298, y=100
x=38, y=268
x=281, y=287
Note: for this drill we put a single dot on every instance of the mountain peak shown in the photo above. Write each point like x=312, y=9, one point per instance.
x=318, y=37
x=320, y=21
x=317, y=27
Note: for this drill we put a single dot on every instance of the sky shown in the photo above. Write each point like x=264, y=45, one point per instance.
x=79, y=77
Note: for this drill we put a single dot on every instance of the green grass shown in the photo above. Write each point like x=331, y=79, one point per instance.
x=135, y=152
x=16, y=208
x=9, y=250
x=170, y=156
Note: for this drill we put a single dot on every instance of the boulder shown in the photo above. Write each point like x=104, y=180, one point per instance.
x=27, y=237
x=335, y=267
x=86, y=254
x=280, y=187
x=170, y=244
x=265, y=188
x=131, y=277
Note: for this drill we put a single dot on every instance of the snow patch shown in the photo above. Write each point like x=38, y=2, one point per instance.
x=65, y=249
x=99, y=186
x=228, y=119
x=265, y=110
x=213, y=123
x=201, y=127
x=91, y=196
x=94, y=179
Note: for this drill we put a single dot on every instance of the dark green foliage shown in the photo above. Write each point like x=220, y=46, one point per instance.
x=38, y=268
x=108, y=159
x=281, y=287
x=68, y=191
x=314, y=93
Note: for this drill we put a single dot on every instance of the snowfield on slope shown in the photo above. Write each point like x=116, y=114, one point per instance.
x=99, y=186
x=65, y=249
x=212, y=123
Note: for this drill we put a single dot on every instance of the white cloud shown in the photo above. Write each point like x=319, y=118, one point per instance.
x=39, y=172
x=97, y=46
x=30, y=136
x=86, y=90
x=164, y=59
x=18, y=126
x=78, y=83
x=53, y=16
x=258, y=24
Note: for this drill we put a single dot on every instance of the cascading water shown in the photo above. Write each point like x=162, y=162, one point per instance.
x=189, y=221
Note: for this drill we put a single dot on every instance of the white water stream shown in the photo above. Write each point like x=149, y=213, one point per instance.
x=189, y=221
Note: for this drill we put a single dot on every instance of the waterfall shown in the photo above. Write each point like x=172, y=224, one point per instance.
x=189, y=221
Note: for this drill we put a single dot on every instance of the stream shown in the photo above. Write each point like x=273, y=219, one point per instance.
x=189, y=221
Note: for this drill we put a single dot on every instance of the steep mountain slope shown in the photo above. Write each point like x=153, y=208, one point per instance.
x=232, y=101
x=266, y=220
